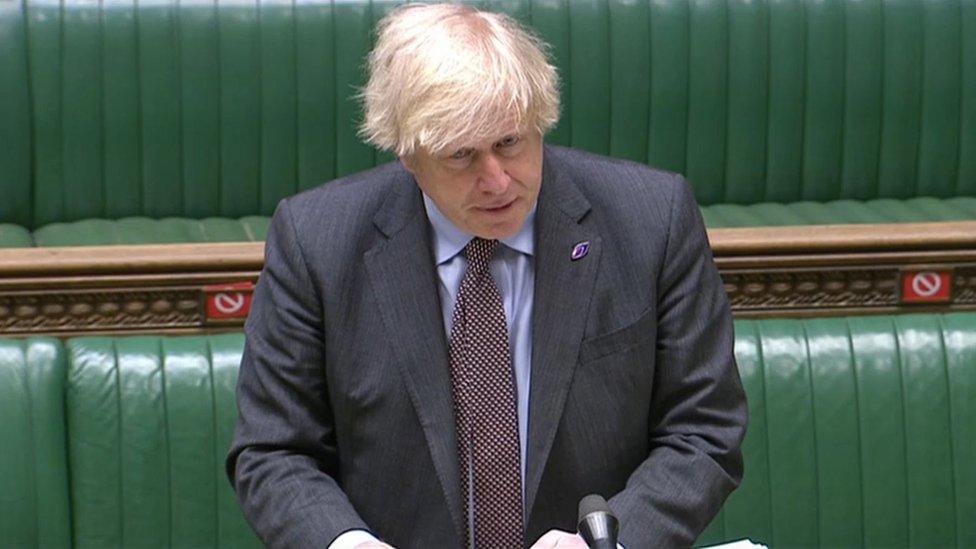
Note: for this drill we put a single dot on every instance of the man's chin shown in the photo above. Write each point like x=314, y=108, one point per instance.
x=497, y=231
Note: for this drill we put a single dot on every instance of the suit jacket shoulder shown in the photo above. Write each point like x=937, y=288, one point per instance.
x=629, y=200
x=642, y=214
x=347, y=205
x=337, y=222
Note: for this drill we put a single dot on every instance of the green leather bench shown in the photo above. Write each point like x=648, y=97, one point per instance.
x=779, y=112
x=141, y=423
x=861, y=435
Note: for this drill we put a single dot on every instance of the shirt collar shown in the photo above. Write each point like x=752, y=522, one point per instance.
x=450, y=240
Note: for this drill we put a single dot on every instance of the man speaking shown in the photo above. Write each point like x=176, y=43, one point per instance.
x=452, y=349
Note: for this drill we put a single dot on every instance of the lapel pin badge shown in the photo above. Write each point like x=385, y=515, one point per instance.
x=580, y=250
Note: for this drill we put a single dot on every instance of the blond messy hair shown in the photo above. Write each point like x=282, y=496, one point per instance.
x=449, y=75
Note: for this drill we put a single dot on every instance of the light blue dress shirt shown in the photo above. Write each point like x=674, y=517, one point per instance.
x=513, y=271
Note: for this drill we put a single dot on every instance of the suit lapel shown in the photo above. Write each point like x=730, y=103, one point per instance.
x=403, y=277
x=563, y=288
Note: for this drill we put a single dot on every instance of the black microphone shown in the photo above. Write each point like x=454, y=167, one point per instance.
x=597, y=524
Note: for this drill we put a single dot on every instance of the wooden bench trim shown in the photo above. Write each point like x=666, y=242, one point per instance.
x=148, y=258
x=839, y=239
x=758, y=244
x=768, y=271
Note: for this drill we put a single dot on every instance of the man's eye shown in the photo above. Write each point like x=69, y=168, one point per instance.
x=460, y=154
x=508, y=141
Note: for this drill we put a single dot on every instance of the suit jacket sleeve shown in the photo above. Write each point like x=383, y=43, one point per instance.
x=283, y=458
x=698, y=411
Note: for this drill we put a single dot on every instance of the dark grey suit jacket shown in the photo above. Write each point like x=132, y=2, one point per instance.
x=344, y=394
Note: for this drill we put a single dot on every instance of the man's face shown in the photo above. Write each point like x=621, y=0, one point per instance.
x=486, y=189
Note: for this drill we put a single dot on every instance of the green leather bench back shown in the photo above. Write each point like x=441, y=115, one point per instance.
x=195, y=108
x=862, y=435
x=34, y=507
x=149, y=423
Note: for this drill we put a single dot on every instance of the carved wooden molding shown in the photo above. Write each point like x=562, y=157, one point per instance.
x=769, y=271
x=99, y=310
x=134, y=305
x=856, y=290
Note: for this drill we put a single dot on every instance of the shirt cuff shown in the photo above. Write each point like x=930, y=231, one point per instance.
x=351, y=538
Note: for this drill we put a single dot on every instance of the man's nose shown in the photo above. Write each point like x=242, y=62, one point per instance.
x=493, y=178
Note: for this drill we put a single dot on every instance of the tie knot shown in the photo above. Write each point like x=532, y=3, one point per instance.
x=479, y=252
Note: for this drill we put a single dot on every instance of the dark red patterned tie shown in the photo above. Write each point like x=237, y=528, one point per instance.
x=485, y=413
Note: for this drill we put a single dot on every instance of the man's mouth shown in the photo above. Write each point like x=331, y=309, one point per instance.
x=499, y=208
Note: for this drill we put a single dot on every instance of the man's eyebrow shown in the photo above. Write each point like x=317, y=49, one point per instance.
x=447, y=153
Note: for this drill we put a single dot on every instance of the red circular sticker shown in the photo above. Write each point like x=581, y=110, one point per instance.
x=229, y=303
x=926, y=284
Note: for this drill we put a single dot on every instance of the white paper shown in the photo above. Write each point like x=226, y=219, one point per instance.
x=741, y=544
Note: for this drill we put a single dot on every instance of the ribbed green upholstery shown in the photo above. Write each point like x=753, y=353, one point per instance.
x=862, y=433
x=33, y=460
x=197, y=109
x=142, y=230
x=149, y=423
x=15, y=120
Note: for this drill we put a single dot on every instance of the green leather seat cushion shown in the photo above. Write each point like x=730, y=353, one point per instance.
x=882, y=210
x=13, y=236
x=143, y=230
